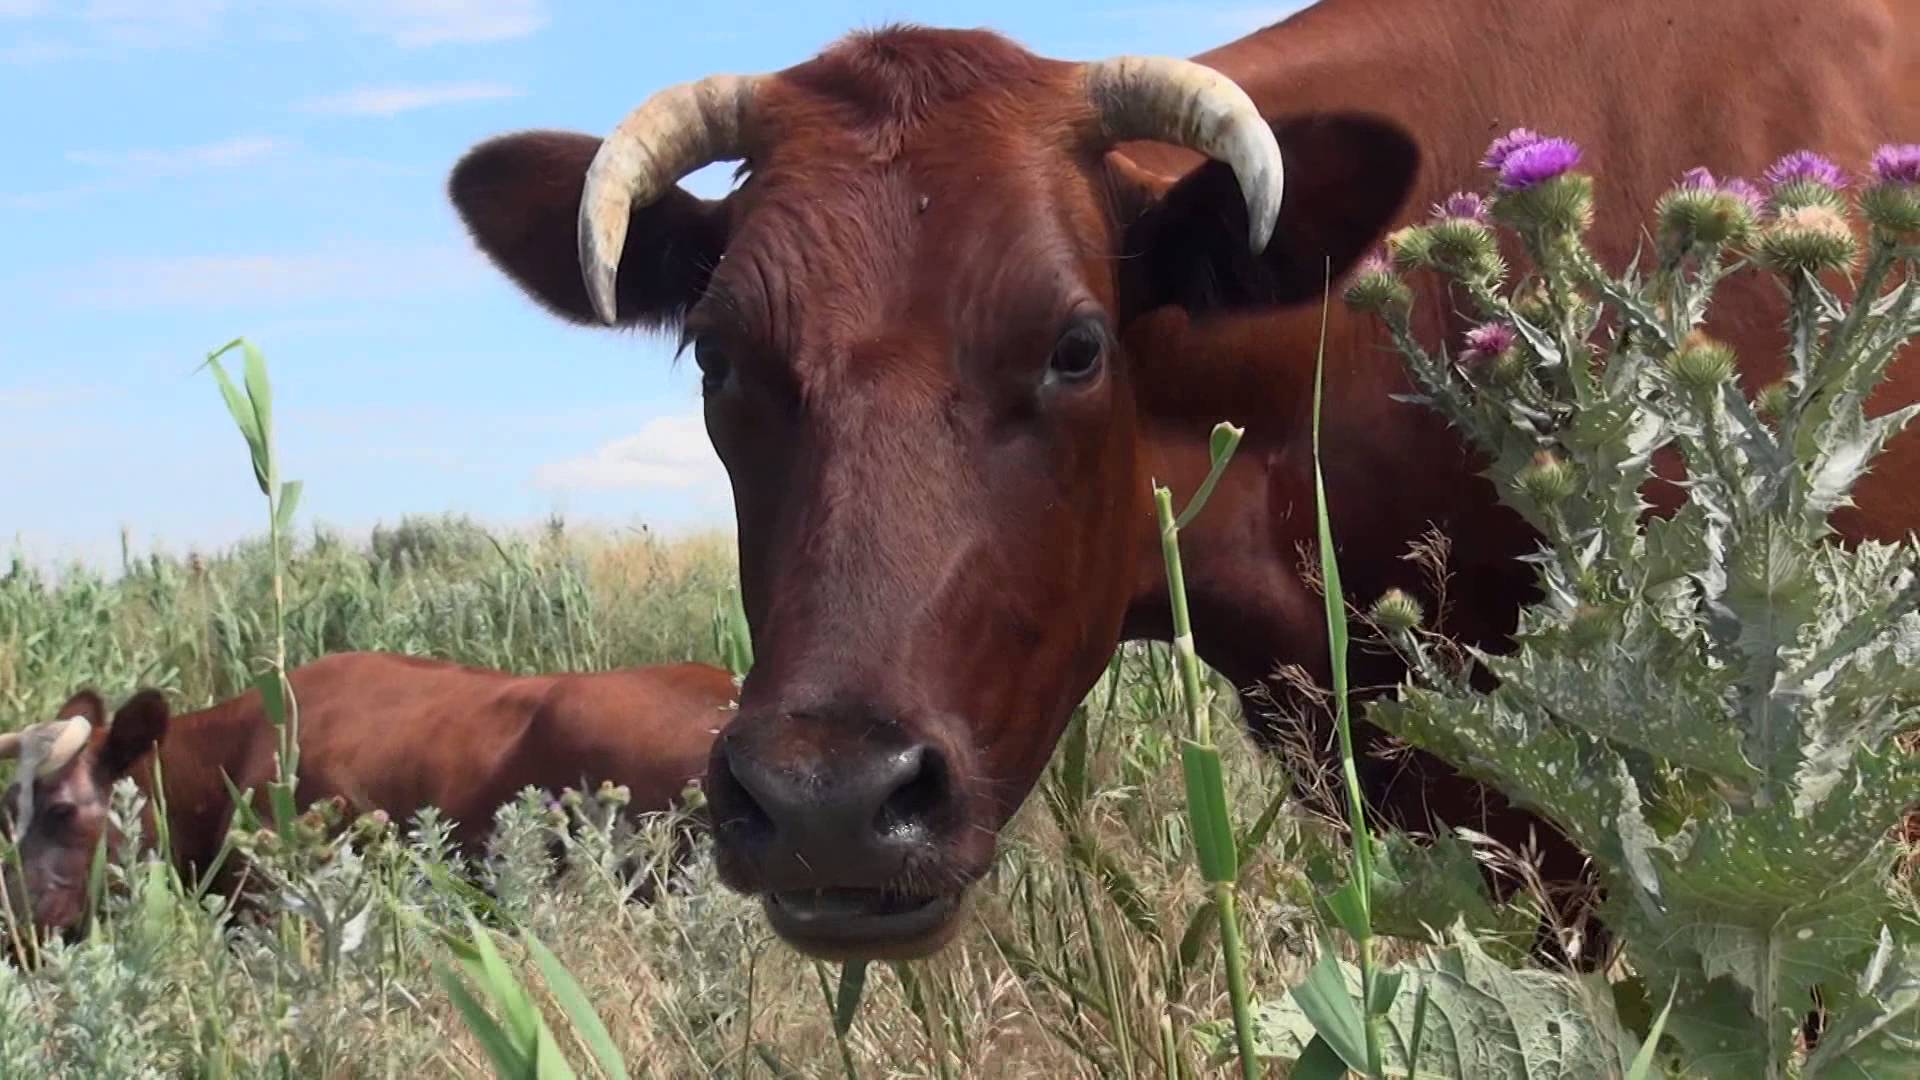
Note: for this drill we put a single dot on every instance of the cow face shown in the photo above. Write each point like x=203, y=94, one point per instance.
x=910, y=323
x=55, y=813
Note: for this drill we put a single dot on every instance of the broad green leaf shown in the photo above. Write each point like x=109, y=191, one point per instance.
x=1876, y=1035
x=1332, y=1008
x=260, y=396
x=289, y=502
x=1348, y=907
x=1207, y=809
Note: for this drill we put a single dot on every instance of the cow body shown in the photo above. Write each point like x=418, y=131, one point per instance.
x=960, y=316
x=383, y=732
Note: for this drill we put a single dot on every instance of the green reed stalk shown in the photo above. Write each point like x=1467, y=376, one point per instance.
x=1354, y=904
x=252, y=413
x=1200, y=758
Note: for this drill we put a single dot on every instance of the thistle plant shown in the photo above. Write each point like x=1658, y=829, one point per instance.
x=1709, y=702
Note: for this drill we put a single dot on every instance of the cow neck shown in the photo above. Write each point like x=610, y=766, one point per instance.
x=200, y=752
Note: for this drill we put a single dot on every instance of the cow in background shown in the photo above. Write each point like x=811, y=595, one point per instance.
x=377, y=731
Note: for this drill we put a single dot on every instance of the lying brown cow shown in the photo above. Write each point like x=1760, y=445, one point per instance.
x=381, y=732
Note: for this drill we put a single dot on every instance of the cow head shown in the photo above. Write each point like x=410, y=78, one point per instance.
x=54, y=814
x=910, y=321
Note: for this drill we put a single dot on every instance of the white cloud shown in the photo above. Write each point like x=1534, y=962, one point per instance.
x=668, y=452
x=41, y=397
x=37, y=51
x=155, y=23
x=439, y=22
x=226, y=153
x=234, y=281
x=393, y=100
x=187, y=23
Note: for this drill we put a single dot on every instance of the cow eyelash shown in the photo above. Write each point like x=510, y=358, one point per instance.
x=713, y=363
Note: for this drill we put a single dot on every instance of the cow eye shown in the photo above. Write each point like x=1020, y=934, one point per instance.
x=59, y=814
x=1078, y=353
x=713, y=364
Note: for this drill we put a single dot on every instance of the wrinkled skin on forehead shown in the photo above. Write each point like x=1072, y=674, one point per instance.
x=45, y=877
x=913, y=324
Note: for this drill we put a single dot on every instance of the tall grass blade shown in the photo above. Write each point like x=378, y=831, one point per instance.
x=587, y=1025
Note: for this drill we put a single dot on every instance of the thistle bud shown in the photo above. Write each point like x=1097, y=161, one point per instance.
x=1701, y=363
x=1773, y=401
x=1412, y=248
x=1893, y=202
x=1809, y=239
x=571, y=799
x=1538, y=188
x=1535, y=307
x=1546, y=481
x=1466, y=248
x=1699, y=211
x=1397, y=611
x=371, y=826
x=1509, y=368
x=1805, y=179
x=1374, y=288
x=1462, y=206
x=1590, y=625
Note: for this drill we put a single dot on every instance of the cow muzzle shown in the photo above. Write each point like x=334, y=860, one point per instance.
x=848, y=827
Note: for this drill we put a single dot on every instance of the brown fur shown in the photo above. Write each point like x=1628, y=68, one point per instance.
x=379, y=732
x=940, y=546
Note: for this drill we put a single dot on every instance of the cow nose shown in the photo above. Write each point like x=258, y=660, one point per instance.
x=815, y=812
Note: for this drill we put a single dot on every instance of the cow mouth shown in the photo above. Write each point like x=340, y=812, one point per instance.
x=844, y=924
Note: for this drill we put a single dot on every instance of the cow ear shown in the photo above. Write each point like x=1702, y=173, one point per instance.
x=138, y=727
x=519, y=196
x=1347, y=176
x=84, y=703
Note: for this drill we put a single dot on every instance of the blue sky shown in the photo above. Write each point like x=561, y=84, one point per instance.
x=180, y=172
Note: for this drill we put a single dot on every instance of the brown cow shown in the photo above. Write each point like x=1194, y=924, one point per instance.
x=969, y=301
x=380, y=731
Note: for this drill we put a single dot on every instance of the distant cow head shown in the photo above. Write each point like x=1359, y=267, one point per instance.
x=910, y=323
x=55, y=812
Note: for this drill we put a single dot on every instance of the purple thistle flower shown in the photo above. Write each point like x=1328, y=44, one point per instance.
x=1805, y=166
x=1491, y=339
x=1504, y=146
x=1698, y=179
x=1377, y=261
x=1897, y=163
x=1464, y=205
x=1538, y=162
x=1746, y=192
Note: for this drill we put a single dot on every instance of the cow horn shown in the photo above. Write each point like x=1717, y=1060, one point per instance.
x=1187, y=104
x=670, y=135
x=46, y=748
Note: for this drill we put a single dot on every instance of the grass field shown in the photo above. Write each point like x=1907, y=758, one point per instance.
x=1081, y=957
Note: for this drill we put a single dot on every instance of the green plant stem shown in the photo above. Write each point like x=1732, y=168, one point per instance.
x=1208, y=826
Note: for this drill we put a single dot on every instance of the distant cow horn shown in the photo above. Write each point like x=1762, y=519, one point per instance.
x=1184, y=103
x=670, y=135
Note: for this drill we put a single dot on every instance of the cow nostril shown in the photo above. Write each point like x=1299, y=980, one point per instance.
x=744, y=812
x=924, y=785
